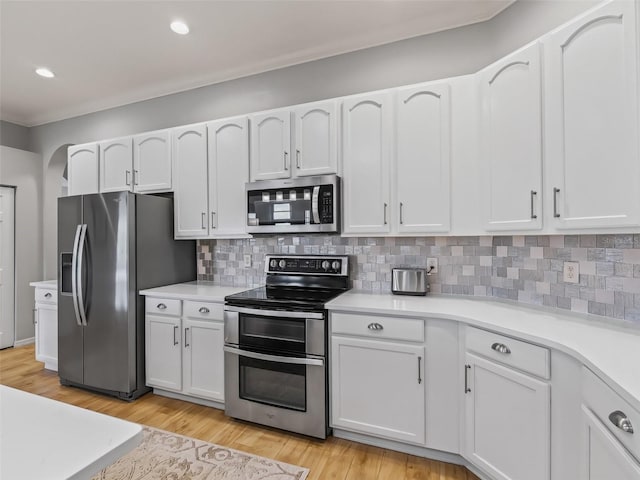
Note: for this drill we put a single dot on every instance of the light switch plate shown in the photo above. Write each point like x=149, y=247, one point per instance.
x=571, y=272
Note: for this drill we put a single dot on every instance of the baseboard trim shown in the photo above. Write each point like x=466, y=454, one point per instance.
x=25, y=341
x=188, y=398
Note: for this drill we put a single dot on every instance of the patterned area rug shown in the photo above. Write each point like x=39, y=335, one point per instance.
x=168, y=456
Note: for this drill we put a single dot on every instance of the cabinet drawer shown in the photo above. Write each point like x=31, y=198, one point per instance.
x=515, y=353
x=45, y=295
x=397, y=328
x=163, y=306
x=604, y=402
x=206, y=310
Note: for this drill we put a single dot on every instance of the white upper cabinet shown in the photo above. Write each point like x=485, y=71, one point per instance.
x=367, y=131
x=511, y=141
x=423, y=159
x=271, y=145
x=82, y=169
x=592, y=130
x=189, y=146
x=116, y=162
x=316, y=142
x=152, y=162
x=228, y=173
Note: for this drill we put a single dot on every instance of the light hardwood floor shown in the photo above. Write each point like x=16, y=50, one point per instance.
x=330, y=459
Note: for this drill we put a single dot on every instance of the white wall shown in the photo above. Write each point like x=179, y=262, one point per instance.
x=24, y=170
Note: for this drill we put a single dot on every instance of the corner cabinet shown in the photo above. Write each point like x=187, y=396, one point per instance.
x=511, y=141
x=82, y=169
x=367, y=141
x=592, y=123
x=507, y=409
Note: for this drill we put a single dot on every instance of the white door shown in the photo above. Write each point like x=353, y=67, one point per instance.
x=366, y=133
x=423, y=159
x=507, y=422
x=47, y=335
x=82, y=169
x=592, y=124
x=271, y=145
x=116, y=165
x=604, y=456
x=511, y=152
x=163, y=352
x=228, y=174
x=378, y=388
x=191, y=189
x=7, y=267
x=316, y=138
x=204, y=359
x=152, y=162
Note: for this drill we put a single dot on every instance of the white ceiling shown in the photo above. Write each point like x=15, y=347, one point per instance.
x=110, y=53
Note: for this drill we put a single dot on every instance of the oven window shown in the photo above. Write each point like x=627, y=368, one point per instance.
x=273, y=383
x=276, y=334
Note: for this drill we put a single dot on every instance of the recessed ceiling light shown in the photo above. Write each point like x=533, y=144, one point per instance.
x=44, y=72
x=179, y=27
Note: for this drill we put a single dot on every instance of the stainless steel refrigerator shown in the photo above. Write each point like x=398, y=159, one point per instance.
x=110, y=246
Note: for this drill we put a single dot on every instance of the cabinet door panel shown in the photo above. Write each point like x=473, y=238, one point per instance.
x=152, y=162
x=228, y=173
x=512, y=141
x=593, y=129
x=423, y=158
x=316, y=130
x=82, y=169
x=191, y=192
x=270, y=145
x=204, y=359
x=508, y=422
x=47, y=336
x=116, y=165
x=378, y=388
x=367, y=147
x=163, y=352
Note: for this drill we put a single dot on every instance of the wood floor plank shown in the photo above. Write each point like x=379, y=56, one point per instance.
x=332, y=459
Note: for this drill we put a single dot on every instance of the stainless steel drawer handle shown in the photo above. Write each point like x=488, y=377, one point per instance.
x=161, y=306
x=620, y=420
x=47, y=295
x=375, y=326
x=203, y=310
x=501, y=348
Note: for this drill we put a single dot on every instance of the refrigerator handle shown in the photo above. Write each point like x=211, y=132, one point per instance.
x=74, y=275
x=81, y=306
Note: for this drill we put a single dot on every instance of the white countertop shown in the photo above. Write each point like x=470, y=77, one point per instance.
x=44, y=438
x=613, y=353
x=199, y=291
x=48, y=284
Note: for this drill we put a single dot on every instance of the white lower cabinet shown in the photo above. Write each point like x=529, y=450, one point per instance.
x=185, y=354
x=377, y=388
x=46, y=327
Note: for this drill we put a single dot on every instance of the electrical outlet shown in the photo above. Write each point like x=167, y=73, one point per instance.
x=432, y=262
x=571, y=272
x=247, y=260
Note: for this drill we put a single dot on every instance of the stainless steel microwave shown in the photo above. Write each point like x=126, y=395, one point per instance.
x=299, y=205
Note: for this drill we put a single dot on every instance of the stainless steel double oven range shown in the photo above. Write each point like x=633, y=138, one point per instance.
x=275, y=351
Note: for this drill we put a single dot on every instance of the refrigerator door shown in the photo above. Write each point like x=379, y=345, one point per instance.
x=70, y=331
x=109, y=292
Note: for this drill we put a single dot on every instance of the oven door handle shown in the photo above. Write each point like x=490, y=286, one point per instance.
x=275, y=358
x=274, y=313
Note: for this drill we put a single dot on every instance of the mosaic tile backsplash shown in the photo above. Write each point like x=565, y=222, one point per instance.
x=526, y=269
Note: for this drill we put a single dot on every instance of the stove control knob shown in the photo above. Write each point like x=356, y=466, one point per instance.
x=282, y=264
x=325, y=265
x=335, y=265
x=273, y=263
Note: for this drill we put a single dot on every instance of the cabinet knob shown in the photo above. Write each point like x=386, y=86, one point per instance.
x=161, y=306
x=375, y=326
x=620, y=420
x=203, y=310
x=47, y=295
x=501, y=348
